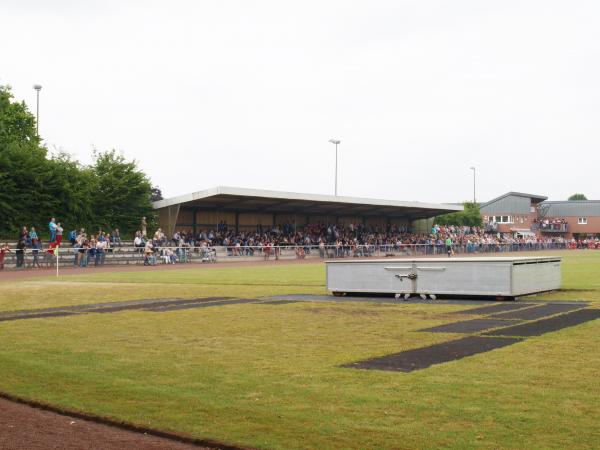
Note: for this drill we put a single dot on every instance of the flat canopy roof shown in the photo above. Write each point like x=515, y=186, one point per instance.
x=254, y=200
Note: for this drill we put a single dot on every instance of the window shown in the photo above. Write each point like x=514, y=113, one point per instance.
x=582, y=220
x=502, y=219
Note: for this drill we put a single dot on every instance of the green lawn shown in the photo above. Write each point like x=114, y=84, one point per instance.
x=268, y=376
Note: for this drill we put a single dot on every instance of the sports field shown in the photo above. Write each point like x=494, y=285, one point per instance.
x=257, y=373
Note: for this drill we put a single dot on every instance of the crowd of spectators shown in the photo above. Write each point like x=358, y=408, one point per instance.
x=327, y=239
x=350, y=238
x=86, y=248
x=551, y=224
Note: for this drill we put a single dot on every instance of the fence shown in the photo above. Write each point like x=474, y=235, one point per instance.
x=76, y=257
x=383, y=250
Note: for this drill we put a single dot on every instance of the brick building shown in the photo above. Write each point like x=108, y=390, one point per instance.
x=528, y=214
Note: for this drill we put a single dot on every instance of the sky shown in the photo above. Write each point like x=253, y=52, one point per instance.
x=248, y=94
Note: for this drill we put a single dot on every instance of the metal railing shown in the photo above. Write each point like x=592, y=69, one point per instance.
x=553, y=227
x=384, y=250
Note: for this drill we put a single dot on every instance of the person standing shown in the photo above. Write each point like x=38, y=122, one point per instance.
x=73, y=237
x=23, y=233
x=52, y=228
x=449, y=246
x=101, y=246
x=36, y=246
x=21, y=253
x=143, y=226
x=59, y=234
x=84, y=250
x=149, y=257
x=116, y=236
x=4, y=249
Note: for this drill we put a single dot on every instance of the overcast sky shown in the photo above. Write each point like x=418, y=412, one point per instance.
x=248, y=93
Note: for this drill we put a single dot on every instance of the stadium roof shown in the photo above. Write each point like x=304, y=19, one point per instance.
x=254, y=200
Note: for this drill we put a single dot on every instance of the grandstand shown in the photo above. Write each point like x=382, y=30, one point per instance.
x=246, y=209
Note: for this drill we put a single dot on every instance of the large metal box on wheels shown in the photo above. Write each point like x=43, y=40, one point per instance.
x=473, y=276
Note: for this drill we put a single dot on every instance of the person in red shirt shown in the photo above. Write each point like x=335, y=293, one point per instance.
x=59, y=234
x=4, y=249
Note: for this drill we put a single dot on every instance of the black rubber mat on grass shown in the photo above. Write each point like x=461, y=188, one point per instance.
x=201, y=305
x=279, y=302
x=469, y=326
x=548, y=325
x=496, y=308
x=421, y=358
x=128, y=305
x=43, y=315
x=538, y=312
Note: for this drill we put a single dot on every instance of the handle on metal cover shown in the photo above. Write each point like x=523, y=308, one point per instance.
x=432, y=269
x=410, y=276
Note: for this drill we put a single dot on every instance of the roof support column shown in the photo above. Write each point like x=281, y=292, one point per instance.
x=195, y=222
x=167, y=218
x=237, y=223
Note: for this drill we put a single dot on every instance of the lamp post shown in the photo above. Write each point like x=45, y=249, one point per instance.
x=336, y=142
x=474, y=197
x=38, y=88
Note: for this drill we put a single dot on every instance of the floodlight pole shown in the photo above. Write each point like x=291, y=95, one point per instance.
x=38, y=88
x=336, y=142
x=474, y=196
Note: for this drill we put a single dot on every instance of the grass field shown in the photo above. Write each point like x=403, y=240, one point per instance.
x=269, y=376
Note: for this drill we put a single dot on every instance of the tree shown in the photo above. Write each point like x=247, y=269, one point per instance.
x=24, y=169
x=470, y=216
x=155, y=194
x=34, y=186
x=575, y=197
x=74, y=184
x=121, y=195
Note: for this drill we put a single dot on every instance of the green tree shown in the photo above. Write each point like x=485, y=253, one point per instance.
x=74, y=184
x=24, y=169
x=121, y=193
x=34, y=186
x=577, y=197
x=470, y=216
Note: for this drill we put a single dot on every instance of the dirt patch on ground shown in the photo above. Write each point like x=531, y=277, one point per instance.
x=23, y=427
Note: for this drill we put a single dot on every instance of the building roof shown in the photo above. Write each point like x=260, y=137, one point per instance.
x=536, y=198
x=254, y=200
x=572, y=208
